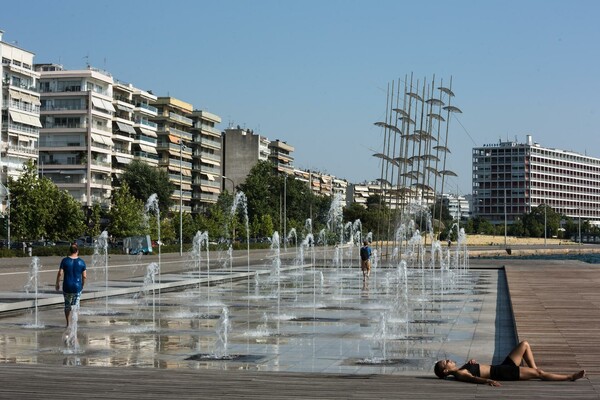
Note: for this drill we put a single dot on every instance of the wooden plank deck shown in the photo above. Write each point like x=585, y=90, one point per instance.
x=556, y=308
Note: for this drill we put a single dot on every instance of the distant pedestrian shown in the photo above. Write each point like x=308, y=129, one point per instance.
x=72, y=271
x=449, y=243
x=365, y=259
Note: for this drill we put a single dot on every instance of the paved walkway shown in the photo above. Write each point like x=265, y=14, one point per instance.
x=555, y=307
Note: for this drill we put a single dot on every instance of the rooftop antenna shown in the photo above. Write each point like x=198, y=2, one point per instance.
x=87, y=60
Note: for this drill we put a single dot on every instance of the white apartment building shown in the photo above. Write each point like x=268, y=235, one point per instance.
x=458, y=206
x=20, y=117
x=76, y=143
x=134, y=135
x=510, y=179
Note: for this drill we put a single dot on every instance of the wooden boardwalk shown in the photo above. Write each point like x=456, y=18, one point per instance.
x=555, y=306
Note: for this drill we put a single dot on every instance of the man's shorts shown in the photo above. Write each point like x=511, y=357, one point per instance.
x=365, y=265
x=71, y=299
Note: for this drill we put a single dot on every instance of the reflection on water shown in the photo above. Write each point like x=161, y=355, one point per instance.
x=385, y=328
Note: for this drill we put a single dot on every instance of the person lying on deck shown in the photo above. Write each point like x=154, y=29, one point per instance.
x=509, y=370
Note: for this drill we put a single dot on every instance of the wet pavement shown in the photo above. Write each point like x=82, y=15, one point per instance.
x=310, y=319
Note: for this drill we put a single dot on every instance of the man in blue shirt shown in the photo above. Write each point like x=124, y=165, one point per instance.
x=72, y=269
x=365, y=259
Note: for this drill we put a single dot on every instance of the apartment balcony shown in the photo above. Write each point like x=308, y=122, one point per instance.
x=21, y=129
x=21, y=150
x=25, y=86
x=177, y=163
x=146, y=157
x=184, y=178
x=210, y=185
x=206, y=197
x=208, y=170
x=206, y=157
x=143, y=108
x=145, y=122
x=21, y=106
x=209, y=143
x=208, y=129
x=186, y=136
x=181, y=119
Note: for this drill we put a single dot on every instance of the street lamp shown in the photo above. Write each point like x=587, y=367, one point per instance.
x=232, y=184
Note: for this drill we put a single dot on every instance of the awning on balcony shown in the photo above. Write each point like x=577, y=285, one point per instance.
x=147, y=132
x=98, y=103
x=123, y=108
x=15, y=95
x=209, y=161
x=35, y=100
x=123, y=160
x=174, y=139
x=125, y=128
x=148, y=149
x=103, y=104
x=23, y=118
x=108, y=106
x=185, y=186
x=186, y=172
x=210, y=189
x=102, y=139
x=211, y=177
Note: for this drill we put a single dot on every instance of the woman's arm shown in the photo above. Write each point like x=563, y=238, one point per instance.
x=466, y=376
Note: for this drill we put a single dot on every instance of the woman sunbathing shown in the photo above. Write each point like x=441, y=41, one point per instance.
x=509, y=370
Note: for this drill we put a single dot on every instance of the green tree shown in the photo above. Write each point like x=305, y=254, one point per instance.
x=266, y=226
x=144, y=180
x=126, y=214
x=94, y=228
x=39, y=209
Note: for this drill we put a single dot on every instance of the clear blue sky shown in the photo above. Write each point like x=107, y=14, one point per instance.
x=314, y=73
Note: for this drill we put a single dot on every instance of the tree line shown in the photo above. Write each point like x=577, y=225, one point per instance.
x=272, y=202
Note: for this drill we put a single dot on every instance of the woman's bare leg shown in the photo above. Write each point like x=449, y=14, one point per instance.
x=523, y=352
x=526, y=373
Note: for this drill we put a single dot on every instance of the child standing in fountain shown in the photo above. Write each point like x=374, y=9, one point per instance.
x=72, y=269
x=365, y=259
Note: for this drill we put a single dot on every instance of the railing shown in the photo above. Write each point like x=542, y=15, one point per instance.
x=180, y=164
x=22, y=128
x=208, y=156
x=206, y=182
x=143, y=154
x=208, y=170
x=101, y=163
x=181, y=118
x=59, y=143
x=145, y=139
x=81, y=125
x=209, y=142
x=207, y=197
x=22, y=149
x=142, y=121
x=21, y=106
x=54, y=108
x=183, y=134
x=102, y=128
x=184, y=179
x=208, y=128
x=147, y=107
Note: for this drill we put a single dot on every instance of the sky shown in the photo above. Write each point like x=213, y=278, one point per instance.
x=314, y=73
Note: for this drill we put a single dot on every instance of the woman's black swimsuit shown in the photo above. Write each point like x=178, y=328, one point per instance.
x=507, y=371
